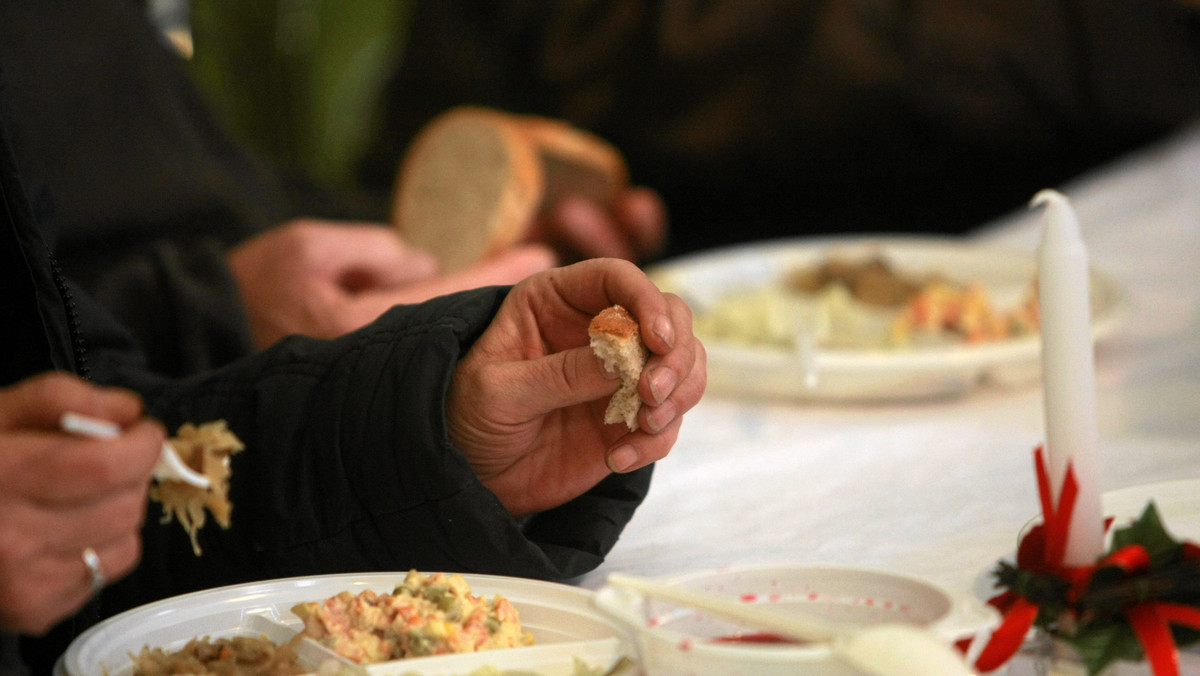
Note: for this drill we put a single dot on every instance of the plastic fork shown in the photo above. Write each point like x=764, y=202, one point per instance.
x=170, y=467
x=884, y=650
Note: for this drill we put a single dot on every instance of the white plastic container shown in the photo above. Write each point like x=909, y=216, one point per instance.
x=560, y=617
x=675, y=641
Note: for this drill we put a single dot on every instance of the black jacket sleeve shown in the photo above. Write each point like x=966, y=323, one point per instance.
x=136, y=186
x=348, y=466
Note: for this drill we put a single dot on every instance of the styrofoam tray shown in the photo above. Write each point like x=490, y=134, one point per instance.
x=560, y=617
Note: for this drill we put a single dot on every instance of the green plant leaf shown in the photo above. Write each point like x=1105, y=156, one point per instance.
x=1149, y=532
x=1100, y=646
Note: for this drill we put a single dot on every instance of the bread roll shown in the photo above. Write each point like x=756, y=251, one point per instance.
x=474, y=180
x=574, y=162
x=616, y=340
x=469, y=185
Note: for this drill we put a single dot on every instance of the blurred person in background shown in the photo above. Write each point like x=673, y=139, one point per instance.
x=200, y=247
x=758, y=119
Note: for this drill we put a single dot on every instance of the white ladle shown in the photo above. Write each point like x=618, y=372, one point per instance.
x=885, y=649
x=170, y=467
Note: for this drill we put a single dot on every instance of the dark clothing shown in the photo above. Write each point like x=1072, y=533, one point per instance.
x=348, y=466
x=759, y=118
x=138, y=190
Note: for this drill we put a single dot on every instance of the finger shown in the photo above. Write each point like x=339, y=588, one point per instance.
x=643, y=216
x=559, y=380
x=39, y=402
x=71, y=471
x=655, y=418
x=70, y=527
x=118, y=556
x=357, y=310
x=584, y=227
x=57, y=585
x=507, y=267
x=590, y=286
x=373, y=256
x=664, y=371
x=638, y=449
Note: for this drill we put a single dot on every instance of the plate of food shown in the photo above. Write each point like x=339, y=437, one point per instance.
x=869, y=318
x=1177, y=502
x=364, y=624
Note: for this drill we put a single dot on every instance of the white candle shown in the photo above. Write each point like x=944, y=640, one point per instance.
x=1068, y=374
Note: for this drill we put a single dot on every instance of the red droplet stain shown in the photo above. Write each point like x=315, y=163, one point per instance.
x=756, y=637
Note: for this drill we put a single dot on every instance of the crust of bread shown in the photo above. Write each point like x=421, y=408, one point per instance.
x=575, y=161
x=469, y=185
x=474, y=179
x=617, y=341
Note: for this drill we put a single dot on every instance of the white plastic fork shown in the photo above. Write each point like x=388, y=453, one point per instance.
x=170, y=466
x=883, y=650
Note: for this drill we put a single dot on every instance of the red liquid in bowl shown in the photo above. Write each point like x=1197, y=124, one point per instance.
x=761, y=637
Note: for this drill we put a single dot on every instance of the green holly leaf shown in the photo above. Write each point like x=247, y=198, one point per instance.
x=1099, y=646
x=1149, y=532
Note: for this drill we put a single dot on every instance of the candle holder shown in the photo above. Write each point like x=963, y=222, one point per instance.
x=1045, y=655
x=1135, y=607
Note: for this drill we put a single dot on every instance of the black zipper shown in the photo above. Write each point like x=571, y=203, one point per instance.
x=78, y=345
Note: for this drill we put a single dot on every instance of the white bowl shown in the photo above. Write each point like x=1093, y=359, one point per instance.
x=673, y=640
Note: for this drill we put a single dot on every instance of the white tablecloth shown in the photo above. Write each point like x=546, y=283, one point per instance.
x=940, y=489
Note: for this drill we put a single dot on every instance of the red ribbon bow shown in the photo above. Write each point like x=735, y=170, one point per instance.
x=1042, y=550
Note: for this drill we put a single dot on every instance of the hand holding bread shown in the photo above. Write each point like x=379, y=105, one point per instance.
x=476, y=181
x=529, y=401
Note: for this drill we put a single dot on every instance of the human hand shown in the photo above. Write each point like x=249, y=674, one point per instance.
x=60, y=494
x=324, y=279
x=634, y=228
x=526, y=404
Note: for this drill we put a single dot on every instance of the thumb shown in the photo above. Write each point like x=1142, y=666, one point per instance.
x=566, y=378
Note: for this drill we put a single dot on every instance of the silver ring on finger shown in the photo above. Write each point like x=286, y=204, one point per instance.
x=92, y=561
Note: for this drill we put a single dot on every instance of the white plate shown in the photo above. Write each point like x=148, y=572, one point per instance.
x=560, y=617
x=1177, y=502
x=872, y=374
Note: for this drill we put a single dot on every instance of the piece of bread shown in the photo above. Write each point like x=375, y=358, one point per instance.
x=474, y=180
x=616, y=340
x=468, y=185
x=574, y=162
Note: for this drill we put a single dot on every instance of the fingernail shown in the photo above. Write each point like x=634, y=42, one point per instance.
x=660, y=416
x=664, y=330
x=622, y=458
x=662, y=383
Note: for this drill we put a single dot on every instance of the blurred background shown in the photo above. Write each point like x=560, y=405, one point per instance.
x=786, y=118
x=298, y=80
